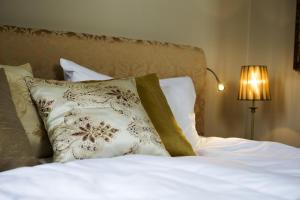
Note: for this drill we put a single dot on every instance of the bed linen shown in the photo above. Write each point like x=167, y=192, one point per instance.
x=225, y=169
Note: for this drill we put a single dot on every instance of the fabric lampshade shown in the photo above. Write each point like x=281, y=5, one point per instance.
x=254, y=83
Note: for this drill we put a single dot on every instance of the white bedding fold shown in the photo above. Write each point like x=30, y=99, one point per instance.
x=232, y=171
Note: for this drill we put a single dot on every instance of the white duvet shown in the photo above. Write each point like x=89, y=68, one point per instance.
x=225, y=169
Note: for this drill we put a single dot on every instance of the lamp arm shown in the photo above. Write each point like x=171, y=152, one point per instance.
x=214, y=74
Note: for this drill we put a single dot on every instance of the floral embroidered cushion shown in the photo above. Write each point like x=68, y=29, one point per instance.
x=26, y=110
x=94, y=119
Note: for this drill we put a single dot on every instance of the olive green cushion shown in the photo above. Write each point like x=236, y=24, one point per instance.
x=15, y=149
x=157, y=107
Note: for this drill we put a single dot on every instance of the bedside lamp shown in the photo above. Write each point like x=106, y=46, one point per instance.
x=221, y=86
x=254, y=86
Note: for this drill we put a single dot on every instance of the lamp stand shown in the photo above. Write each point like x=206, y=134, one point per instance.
x=253, y=109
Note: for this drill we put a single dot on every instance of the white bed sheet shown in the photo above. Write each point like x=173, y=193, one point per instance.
x=225, y=169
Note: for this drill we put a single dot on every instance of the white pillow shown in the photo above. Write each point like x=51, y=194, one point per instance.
x=179, y=92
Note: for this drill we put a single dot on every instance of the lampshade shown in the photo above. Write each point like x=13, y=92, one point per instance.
x=254, y=83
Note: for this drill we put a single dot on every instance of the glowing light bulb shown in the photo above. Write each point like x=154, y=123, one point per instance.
x=221, y=87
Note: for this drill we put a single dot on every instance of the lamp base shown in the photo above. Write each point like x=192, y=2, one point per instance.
x=253, y=110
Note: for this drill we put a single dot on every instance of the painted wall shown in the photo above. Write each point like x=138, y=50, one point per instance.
x=271, y=42
x=231, y=32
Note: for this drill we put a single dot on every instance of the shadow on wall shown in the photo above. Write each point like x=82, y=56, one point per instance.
x=232, y=110
x=280, y=135
x=274, y=111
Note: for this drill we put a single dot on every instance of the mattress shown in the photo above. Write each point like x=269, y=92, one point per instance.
x=229, y=168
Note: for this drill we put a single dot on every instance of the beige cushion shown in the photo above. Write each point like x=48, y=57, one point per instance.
x=25, y=109
x=15, y=149
x=94, y=119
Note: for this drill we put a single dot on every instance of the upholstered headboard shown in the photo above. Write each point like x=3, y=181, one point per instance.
x=114, y=56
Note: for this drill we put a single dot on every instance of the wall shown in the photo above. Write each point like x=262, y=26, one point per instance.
x=271, y=42
x=231, y=32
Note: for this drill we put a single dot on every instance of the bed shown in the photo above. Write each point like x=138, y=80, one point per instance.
x=230, y=168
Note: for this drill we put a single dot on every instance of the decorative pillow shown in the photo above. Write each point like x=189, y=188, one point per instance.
x=26, y=111
x=15, y=149
x=161, y=116
x=179, y=91
x=94, y=119
x=181, y=96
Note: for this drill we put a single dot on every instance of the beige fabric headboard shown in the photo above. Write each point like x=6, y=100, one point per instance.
x=117, y=57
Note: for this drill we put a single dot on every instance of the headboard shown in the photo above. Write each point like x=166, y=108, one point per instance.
x=114, y=56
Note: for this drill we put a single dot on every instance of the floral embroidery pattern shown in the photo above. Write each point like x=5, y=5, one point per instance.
x=132, y=150
x=44, y=106
x=139, y=125
x=69, y=95
x=142, y=129
x=123, y=97
x=87, y=131
x=30, y=82
x=89, y=135
x=119, y=99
